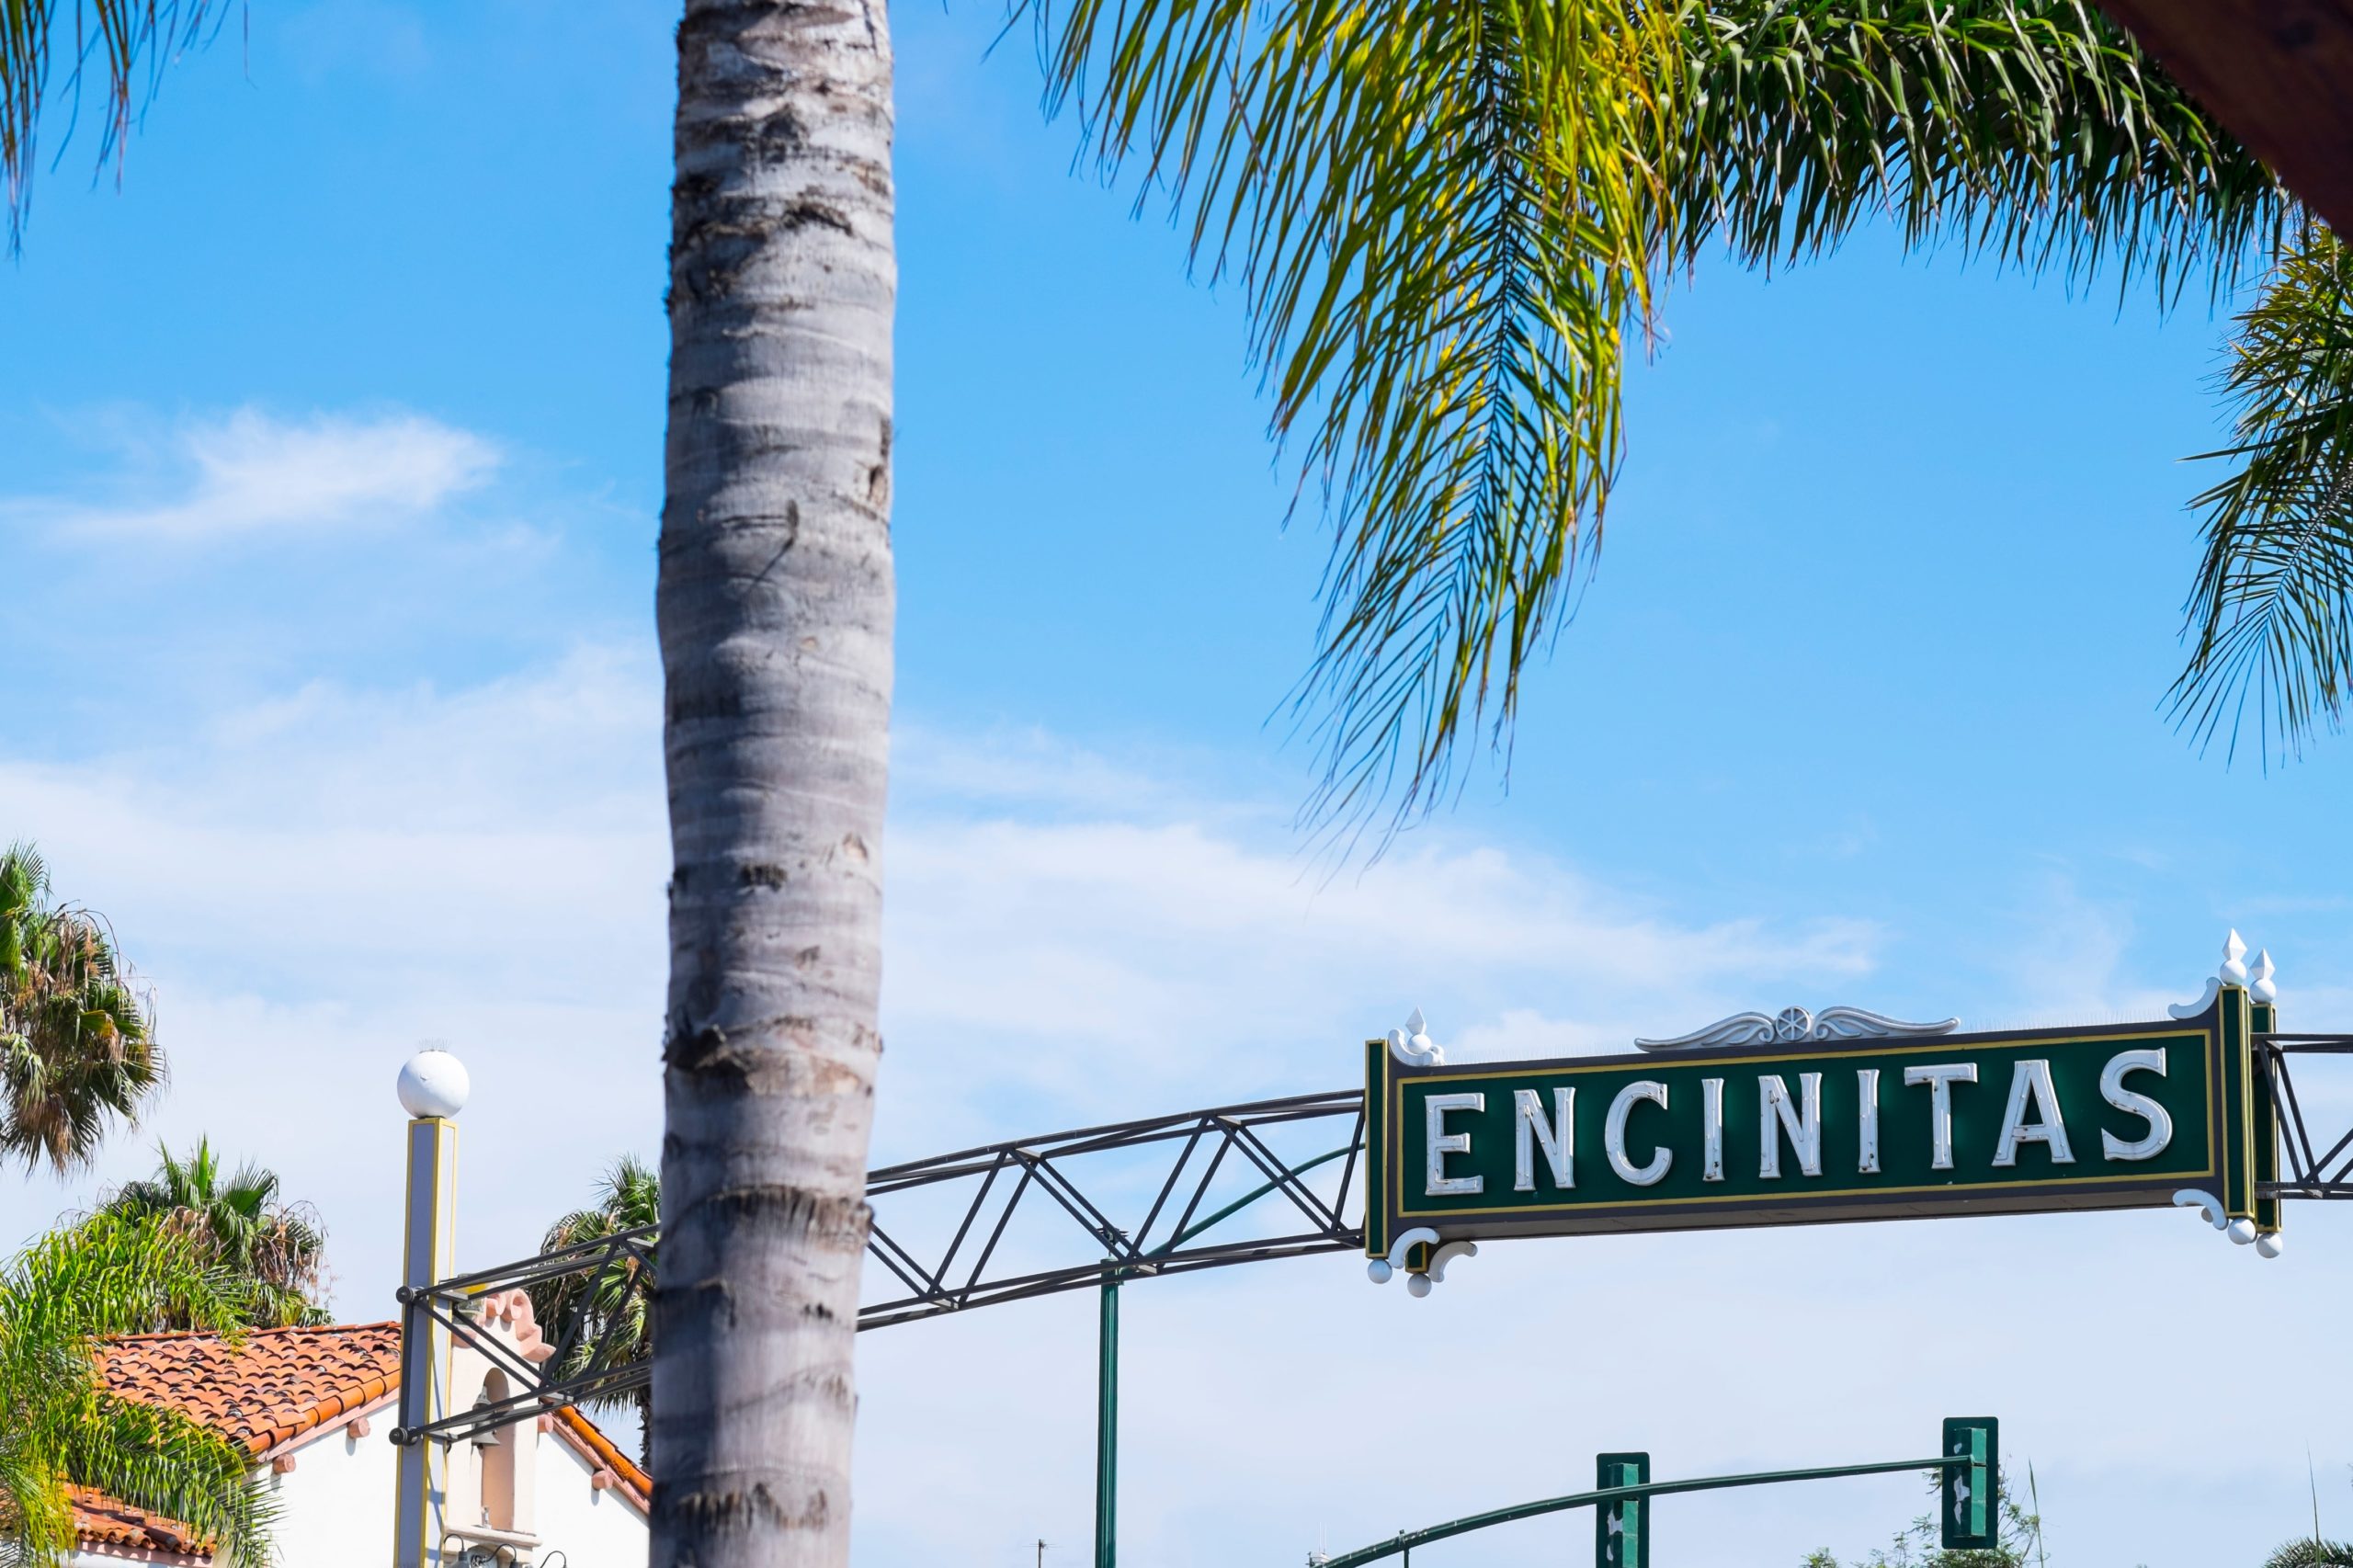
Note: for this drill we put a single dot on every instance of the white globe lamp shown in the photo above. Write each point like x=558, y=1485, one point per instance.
x=434, y=1084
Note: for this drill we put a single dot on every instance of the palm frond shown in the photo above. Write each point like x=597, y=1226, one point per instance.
x=603, y=1318
x=241, y=1225
x=1448, y=217
x=157, y=1458
x=59, y=1298
x=107, y=1274
x=2270, y=622
x=1443, y=217
x=128, y=40
x=2034, y=130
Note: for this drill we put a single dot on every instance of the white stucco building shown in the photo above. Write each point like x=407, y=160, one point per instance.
x=315, y=1406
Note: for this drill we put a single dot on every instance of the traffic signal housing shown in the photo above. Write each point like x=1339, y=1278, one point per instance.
x=1622, y=1530
x=1969, y=1494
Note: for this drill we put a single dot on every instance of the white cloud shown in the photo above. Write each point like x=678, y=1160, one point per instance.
x=1151, y=948
x=315, y=886
x=252, y=472
x=316, y=881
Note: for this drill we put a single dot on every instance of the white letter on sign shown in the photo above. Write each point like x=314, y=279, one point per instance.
x=2111, y=1088
x=1711, y=1130
x=1940, y=1078
x=1439, y=1144
x=1613, y=1135
x=2031, y=1081
x=1867, y=1121
x=1775, y=1113
x=1530, y=1127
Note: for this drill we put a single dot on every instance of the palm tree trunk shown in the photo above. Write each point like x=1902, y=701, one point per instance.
x=775, y=607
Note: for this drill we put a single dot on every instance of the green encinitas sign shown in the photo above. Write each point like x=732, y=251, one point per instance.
x=1844, y=1117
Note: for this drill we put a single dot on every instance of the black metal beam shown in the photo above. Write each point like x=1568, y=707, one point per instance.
x=1092, y=1225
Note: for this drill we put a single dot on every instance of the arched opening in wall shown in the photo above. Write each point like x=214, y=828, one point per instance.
x=495, y=1453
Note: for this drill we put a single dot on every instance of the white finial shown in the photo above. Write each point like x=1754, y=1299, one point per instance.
x=1413, y=1046
x=2263, y=990
x=2234, y=970
x=434, y=1084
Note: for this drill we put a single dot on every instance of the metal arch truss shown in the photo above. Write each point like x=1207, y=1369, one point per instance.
x=1001, y=1222
x=1169, y=1237
x=2305, y=1170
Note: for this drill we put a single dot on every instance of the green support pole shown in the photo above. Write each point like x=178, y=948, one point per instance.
x=1107, y=1425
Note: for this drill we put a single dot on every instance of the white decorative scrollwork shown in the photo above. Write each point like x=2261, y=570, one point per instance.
x=1794, y=1024
x=1413, y=1046
x=1418, y=1285
x=1382, y=1270
x=2242, y=1232
x=2209, y=1208
x=2188, y=1010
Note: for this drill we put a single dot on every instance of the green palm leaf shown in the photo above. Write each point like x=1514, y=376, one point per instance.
x=240, y=1222
x=2035, y=133
x=2271, y=617
x=1447, y=218
x=59, y=1298
x=129, y=40
x=1443, y=217
x=603, y=1318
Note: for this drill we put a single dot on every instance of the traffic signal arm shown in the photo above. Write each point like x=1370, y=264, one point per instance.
x=1405, y=1540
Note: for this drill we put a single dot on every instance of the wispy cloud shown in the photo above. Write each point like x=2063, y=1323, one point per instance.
x=252, y=472
x=315, y=884
x=316, y=880
x=1149, y=941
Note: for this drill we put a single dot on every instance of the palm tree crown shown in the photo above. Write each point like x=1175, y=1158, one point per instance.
x=604, y=1318
x=77, y=1050
x=240, y=1223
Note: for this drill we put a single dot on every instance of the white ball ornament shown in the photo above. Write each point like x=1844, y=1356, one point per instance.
x=434, y=1082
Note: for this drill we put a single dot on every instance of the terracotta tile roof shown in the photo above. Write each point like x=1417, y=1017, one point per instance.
x=104, y=1521
x=275, y=1385
x=272, y=1386
x=604, y=1451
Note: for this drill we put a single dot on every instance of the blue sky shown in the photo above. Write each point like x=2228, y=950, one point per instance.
x=330, y=437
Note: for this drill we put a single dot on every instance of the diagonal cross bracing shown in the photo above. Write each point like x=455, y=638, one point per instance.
x=1028, y=1217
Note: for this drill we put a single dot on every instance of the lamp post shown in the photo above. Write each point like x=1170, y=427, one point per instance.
x=433, y=1089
